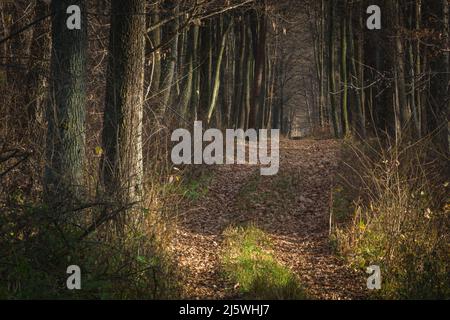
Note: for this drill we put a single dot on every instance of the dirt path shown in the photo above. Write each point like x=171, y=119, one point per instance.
x=292, y=207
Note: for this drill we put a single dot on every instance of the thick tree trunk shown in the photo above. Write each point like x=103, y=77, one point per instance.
x=122, y=164
x=65, y=114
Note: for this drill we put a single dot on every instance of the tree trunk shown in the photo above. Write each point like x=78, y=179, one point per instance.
x=156, y=42
x=38, y=69
x=189, y=77
x=216, y=80
x=65, y=114
x=122, y=164
x=259, y=33
x=170, y=32
x=331, y=68
x=344, y=77
x=438, y=113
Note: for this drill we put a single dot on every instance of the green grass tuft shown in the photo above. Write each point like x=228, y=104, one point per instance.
x=195, y=188
x=248, y=262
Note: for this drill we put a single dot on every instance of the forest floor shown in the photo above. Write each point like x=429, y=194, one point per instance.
x=292, y=207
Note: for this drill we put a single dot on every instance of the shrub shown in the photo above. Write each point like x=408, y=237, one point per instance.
x=400, y=219
x=37, y=244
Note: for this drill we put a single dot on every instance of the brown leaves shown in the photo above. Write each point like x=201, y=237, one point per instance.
x=292, y=206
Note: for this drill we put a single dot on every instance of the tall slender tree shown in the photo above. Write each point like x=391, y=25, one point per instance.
x=170, y=35
x=38, y=67
x=331, y=68
x=259, y=33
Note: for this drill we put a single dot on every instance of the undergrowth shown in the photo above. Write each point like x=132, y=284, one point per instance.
x=391, y=208
x=196, y=184
x=121, y=254
x=37, y=245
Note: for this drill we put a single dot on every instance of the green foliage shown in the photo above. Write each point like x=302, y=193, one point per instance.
x=342, y=204
x=402, y=226
x=37, y=246
x=248, y=261
x=195, y=188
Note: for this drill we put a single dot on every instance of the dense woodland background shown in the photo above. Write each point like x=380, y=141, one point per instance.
x=86, y=117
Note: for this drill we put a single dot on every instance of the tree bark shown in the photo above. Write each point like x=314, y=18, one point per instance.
x=170, y=32
x=331, y=69
x=65, y=113
x=259, y=33
x=122, y=164
x=37, y=77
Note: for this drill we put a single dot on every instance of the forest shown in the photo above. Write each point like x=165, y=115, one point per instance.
x=95, y=93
